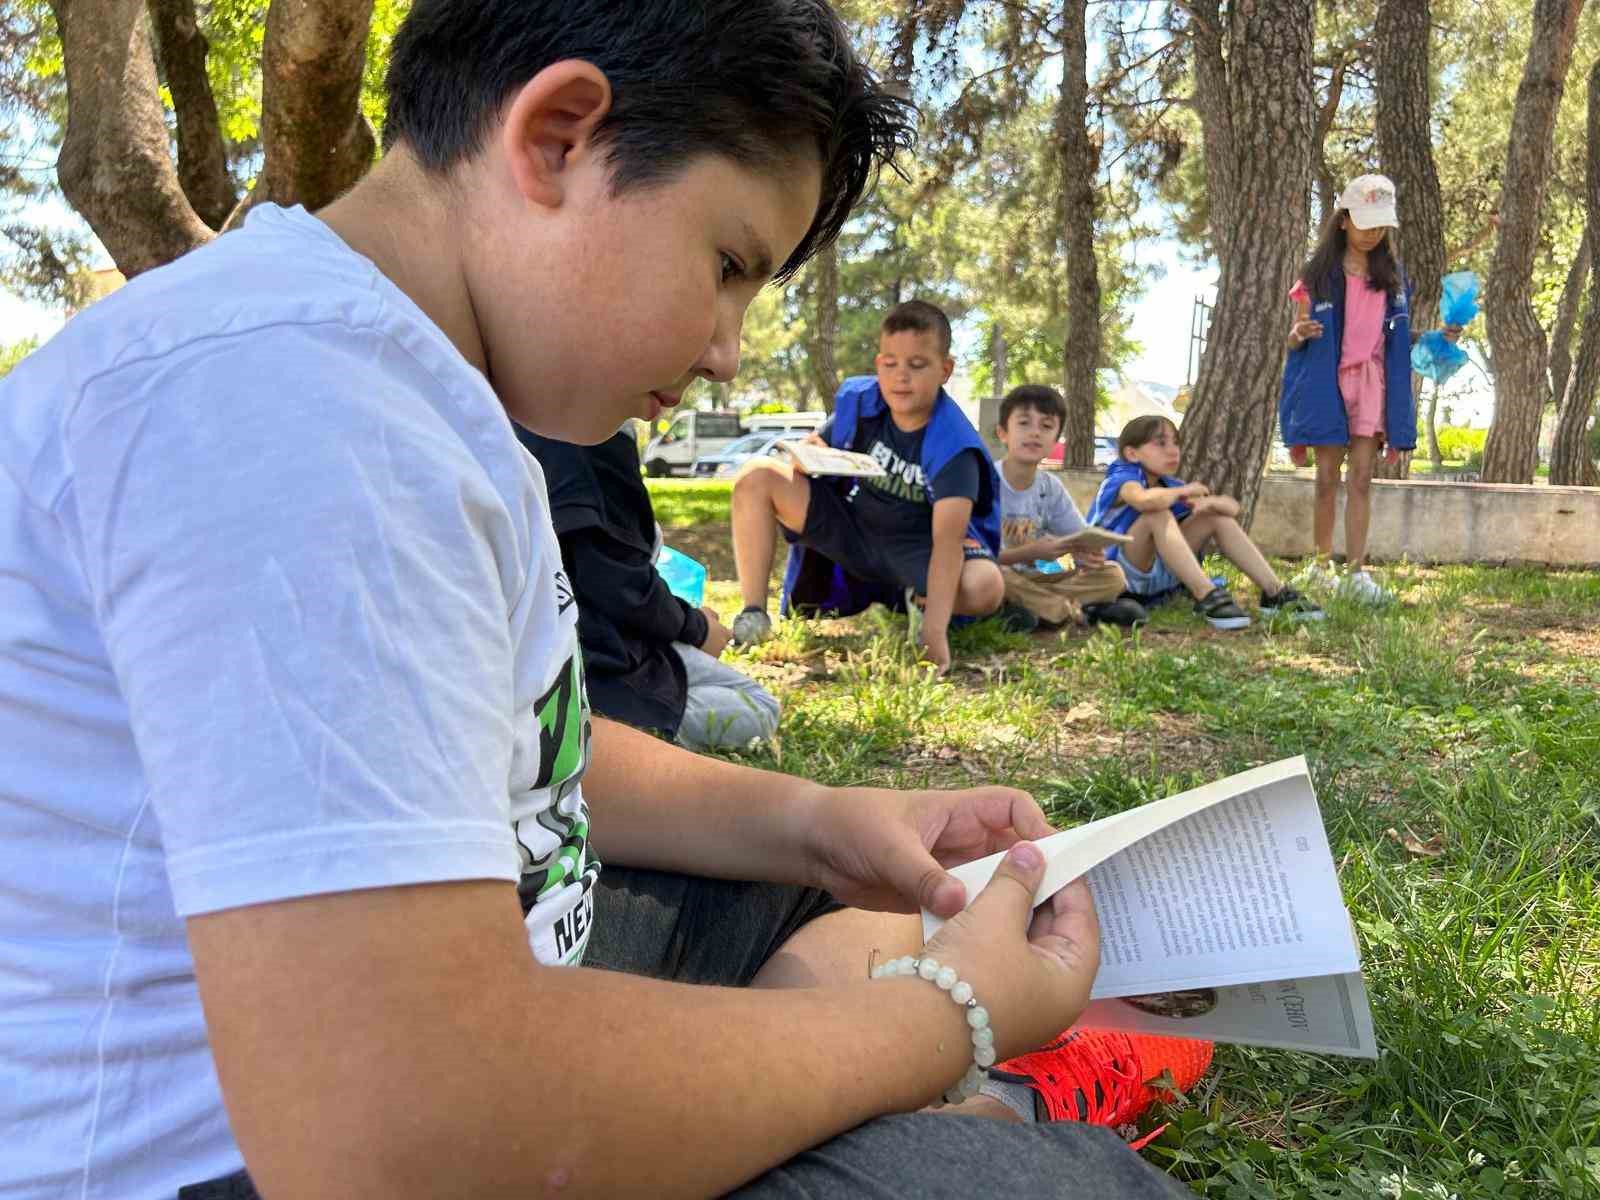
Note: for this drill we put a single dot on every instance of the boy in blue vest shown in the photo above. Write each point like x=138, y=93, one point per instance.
x=929, y=527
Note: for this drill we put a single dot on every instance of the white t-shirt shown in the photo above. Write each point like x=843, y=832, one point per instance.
x=281, y=613
x=1043, y=509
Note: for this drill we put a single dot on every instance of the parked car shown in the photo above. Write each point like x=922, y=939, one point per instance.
x=691, y=436
x=753, y=445
x=803, y=422
x=1105, y=451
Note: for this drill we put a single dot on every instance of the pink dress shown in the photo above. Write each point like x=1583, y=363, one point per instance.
x=1361, y=376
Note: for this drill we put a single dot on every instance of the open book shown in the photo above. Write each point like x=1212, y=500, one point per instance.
x=1092, y=537
x=825, y=460
x=1220, y=917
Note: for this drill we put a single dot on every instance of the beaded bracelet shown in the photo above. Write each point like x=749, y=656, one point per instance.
x=977, y=1019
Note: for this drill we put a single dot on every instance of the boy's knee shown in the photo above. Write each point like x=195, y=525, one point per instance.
x=983, y=586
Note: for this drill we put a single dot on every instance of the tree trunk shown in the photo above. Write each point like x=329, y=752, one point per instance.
x=1521, y=384
x=1435, y=455
x=825, y=325
x=315, y=140
x=1567, y=317
x=1256, y=105
x=1077, y=207
x=1405, y=149
x=1327, y=188
x=1570, y=460
x=999, y=368
x=202, y=157
x=115, y=167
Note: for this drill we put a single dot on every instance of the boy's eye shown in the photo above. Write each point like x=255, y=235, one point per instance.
x=732, y=268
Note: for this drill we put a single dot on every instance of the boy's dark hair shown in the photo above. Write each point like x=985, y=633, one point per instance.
x=752, y=80
x=1141, y=431
x=922, y=317
x=1045, y=401
x=1383, y=269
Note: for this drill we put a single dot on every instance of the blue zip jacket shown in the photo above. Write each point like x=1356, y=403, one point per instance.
x=807, y=581
x=1109, y=512
x=1311, y=411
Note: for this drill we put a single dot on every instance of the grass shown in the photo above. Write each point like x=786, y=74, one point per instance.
x=1465, y=718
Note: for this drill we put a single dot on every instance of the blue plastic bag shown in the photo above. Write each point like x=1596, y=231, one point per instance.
x=685, y=577
x=1047, y=566
x=1433, y=355
x=1458, y=298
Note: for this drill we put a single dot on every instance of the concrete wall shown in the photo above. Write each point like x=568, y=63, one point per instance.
x=1429, y=522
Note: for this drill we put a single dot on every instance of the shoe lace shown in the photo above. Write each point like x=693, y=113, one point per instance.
x=1098, y=1082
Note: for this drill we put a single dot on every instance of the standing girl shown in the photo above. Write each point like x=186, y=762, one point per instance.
x=1347, y=382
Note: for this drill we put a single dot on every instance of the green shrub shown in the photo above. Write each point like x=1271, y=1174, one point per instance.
x=1458, y=443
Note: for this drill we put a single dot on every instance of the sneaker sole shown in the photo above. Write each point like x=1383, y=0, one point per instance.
x=1228, y=622
x=1274, y=614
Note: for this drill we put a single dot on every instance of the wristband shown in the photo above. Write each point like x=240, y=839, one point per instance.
x=960, y=991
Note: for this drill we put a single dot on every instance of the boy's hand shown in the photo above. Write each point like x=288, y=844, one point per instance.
x=1452, y=333
x=718, y=635
x=1091, y=560
x=935, y=645
x=1190, y=491
x=886, y=850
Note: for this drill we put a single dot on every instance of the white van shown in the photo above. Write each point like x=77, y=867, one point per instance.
x=790, y=422
x=690, y=435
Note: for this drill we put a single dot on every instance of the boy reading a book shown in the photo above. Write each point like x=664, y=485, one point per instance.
x=928, y=528
x=650, y=659
x=1038, y=520
x=295, y=821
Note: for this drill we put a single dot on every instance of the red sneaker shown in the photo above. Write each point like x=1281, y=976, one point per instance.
x=1104, y=1078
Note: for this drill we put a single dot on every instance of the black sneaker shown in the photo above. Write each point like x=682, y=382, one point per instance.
x=1291, y=604
x=1014, y=618
x=1220, y=611
x=1124, y=611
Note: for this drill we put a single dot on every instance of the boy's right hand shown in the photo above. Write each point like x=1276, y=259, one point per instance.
x=1033, y=984
x=718, y=635
x=935, y=648
x=1191, y=491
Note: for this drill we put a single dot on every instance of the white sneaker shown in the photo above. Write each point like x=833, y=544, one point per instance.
x=751, y=627
x=1364, y=589
x=1315, y=578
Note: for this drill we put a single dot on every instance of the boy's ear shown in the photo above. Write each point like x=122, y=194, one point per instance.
x=949, y=370
x=549, y=125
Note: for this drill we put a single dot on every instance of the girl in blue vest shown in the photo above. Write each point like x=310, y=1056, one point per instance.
x=1347, y=381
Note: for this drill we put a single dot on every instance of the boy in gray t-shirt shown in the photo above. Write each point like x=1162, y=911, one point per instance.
x=1038, y=518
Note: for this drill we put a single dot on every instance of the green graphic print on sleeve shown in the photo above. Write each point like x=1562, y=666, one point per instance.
x=558, y=874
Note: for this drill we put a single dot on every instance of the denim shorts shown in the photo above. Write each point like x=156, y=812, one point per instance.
x=1157, y=581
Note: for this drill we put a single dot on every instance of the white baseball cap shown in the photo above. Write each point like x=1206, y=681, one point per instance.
x=1370, y=201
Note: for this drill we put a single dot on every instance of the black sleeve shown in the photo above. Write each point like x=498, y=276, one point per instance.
x=958, y=479
x=825, y=431
x=616, y=581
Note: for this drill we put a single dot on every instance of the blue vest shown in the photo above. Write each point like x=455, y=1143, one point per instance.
x=807, y=579
x=1311, y=410
x=1109, y=512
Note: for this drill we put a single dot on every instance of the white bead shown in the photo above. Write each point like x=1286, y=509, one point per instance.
x=978, y=1017
x=983, y=1055
x=946, y=978
x=961, y=991
x=975, y=1074
x=908, y=965
x=983, y=1037
x=927, y=968
x=954, y=1095
x=969, y=1087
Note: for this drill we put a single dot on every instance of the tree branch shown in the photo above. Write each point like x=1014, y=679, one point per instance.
x=202, y=158
x=316, y=142
x=115, y=167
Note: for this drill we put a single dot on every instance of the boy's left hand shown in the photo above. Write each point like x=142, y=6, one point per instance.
x=886, y=850
x=1090, y=560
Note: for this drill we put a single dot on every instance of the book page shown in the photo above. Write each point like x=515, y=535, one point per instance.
x=1232, y=883
x=826, y=460
x=1326, y=1013
x=1092, y=537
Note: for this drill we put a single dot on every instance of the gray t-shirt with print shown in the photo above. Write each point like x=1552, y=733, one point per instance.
x=1043, y=509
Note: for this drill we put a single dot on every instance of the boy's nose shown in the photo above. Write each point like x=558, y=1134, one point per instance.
x=720, y=362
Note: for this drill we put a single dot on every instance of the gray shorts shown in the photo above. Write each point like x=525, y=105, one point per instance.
x=1157, y=581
